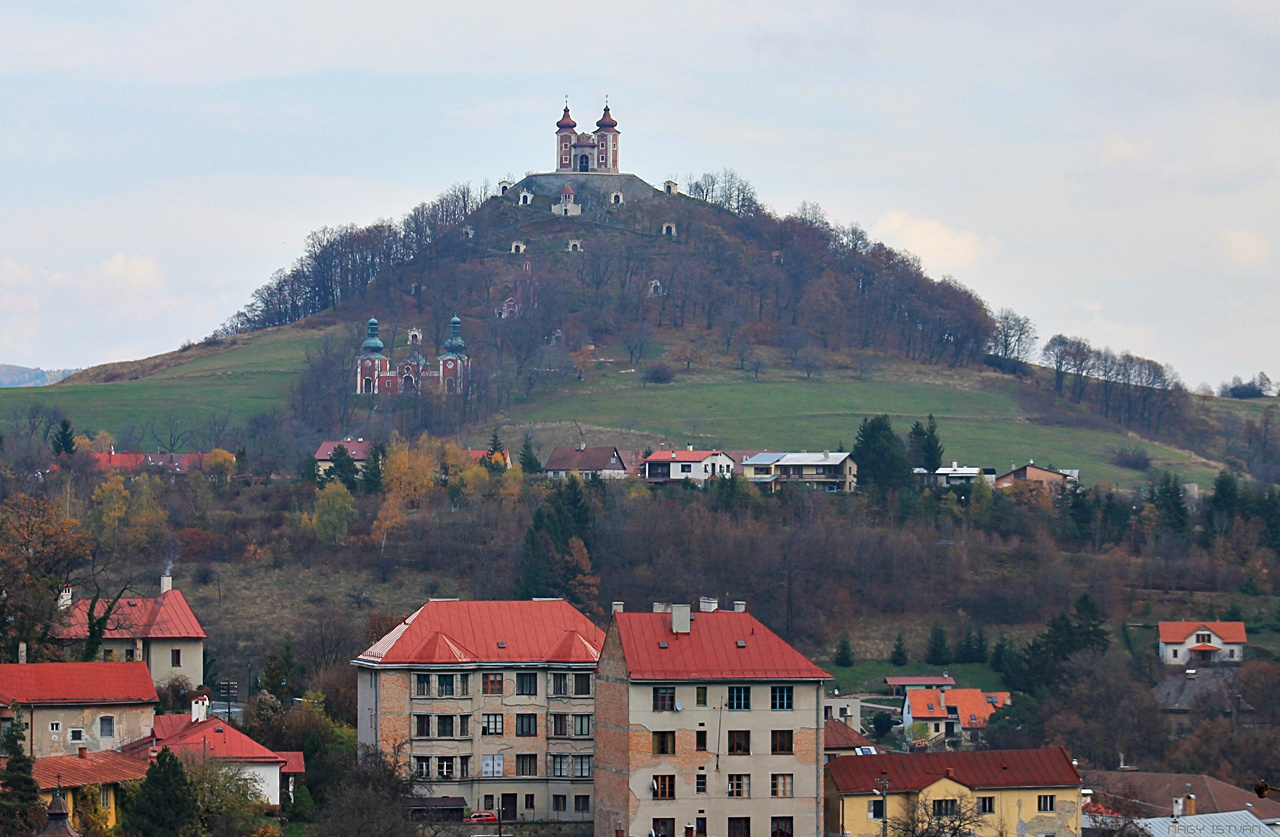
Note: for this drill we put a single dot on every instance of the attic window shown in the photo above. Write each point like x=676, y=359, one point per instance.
x=502, y=645
x=742, y=643
x=931, y=707
x=973, y=718
x=133, y=603
x=217, y=729
x=992, y=699
x=662, y=645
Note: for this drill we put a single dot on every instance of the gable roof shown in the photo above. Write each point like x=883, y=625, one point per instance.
x=590, y=458
x=721, y=645
x=76, y=684
x=294, y=761
x=167, y=616
x=101, y=768
x=1178, y=632
x=452, y=632
x=358, y=449
x=1237, y=823
x=974, y=706
x=212, y=738
x=927, y=680
x=1154, y=792
x=926, y=703
x=837, y=735
x=975, y=769
x=682, y=455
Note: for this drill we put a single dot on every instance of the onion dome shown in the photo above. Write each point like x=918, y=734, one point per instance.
x=455, y=345
x=372, y=345
x=607, y=122
x=566, y=122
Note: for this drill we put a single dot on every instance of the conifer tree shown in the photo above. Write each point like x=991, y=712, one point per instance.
x=528, y=459
x=938, y=653
x=343, y=468
x=64, y=439
x=372, y=472
x=166, y=804
x=881, y=457
x=898, y=656
x=844, y=651
x=21, y=812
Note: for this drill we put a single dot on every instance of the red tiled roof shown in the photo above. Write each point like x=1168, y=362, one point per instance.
x=920, y=681
x=926, y=703
x=681, y=455
x=722, y=645
x=1176, y=632
x=82, y=684
x=837, y=735
x=293, y=761
x=592, y=458
x=1204, y=646
x=973, y=706
x=359, y=450
x=1156, y=791
x=548, y=630
x=167, y=616
x=976, y=770
x=167, y=725
x=214, y=738
x=105, y=767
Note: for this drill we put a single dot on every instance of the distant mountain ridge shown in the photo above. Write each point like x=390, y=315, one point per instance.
x=22, y=376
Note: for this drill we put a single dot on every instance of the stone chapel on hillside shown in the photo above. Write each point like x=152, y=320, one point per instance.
x=376, y=374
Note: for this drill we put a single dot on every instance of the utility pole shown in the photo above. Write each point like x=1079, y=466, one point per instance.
x=882, y=785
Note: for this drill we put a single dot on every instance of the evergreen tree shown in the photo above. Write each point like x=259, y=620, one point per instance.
x=64, y=439
x=844, y=652
x=882, y=724
x=280, y=675
x=938, y=654
x=372, y=472
x=925, y=446
x=495, y=460
x=309, y=471
x=978, y=650
x=1001, y=652
x=21, y=812
x=898, y=656
x=1170, y=500
x=528, y=459
x=343, y=468
x=1088, y=628
x=165, y=804
x=881, y=457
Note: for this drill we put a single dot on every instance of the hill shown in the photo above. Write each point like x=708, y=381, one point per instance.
x=23, y=376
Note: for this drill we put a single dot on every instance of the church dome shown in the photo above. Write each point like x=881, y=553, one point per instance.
x=372, y=345
x=607, y=122
x=566, y=122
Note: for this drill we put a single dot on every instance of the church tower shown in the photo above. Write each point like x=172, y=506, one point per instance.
x=583, y=152
x=607, y=143
x=455, y=366
x=565, y=135
x=372, y=365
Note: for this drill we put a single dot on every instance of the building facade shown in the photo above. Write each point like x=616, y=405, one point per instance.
x=825, y=471
x=689, y=464
x=587, y=152
x=709, y=724
x=490, y=701
x=1202, y=643
x=69, y=707
x=377, y=373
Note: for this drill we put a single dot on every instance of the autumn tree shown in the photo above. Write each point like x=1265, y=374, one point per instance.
x=38, y=550
x=335, y=509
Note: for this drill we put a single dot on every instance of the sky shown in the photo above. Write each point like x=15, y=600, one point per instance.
x=1109, y=169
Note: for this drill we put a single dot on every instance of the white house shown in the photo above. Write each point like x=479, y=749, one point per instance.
x=1198, y=643
x=688, y=464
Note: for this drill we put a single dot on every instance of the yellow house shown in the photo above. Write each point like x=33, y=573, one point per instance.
x=989, y=793
x=92, y=778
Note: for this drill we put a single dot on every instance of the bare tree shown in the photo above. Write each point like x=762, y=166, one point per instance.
x=170, y=435
x=1014, y=338
x=941, y=817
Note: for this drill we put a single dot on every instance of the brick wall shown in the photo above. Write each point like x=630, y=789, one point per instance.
x=613, y=738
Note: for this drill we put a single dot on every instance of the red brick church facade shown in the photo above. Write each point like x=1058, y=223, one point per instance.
x=378, y=374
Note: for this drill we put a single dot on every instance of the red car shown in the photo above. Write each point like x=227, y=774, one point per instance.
x=481, y=816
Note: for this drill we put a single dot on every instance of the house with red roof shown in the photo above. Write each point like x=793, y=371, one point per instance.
x=688, y=464
x=106, y=771
x=359, y=449
x=706, y=719
x=952, y=713
x=491, y=701
x=1201, y=643
x=602, y=462
x=986, y=793
x=840, y=739
x=69, y=706
x=161, y=631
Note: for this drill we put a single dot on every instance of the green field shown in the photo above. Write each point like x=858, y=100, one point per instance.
x=867, y=676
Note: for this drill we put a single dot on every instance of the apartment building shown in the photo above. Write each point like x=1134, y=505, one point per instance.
x=490, y=701
x=825, y=471
x=708, y=724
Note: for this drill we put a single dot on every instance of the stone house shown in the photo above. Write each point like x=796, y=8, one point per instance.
x=69, y=707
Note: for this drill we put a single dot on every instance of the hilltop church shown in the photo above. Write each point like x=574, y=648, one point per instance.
x=376, y=374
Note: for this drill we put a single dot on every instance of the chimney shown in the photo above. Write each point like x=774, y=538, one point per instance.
x=199, y=710
x=951, y=772
x=64, y=598
x=617, y=607
x=82, y=752
x=706, y=604
x=1189, y=805
x=166, y=583
x=680, y=618
x=688, y=446
x=22, y=652
x=661, y=607
x=739, y=607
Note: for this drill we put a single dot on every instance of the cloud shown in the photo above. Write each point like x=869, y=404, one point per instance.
x=941, y=248
x=1245, y=247
x=1117, y=148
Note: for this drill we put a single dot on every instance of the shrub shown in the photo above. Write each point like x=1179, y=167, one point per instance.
x=659, y=373
x=1135, y=458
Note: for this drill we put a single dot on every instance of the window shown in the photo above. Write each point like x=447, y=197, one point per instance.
x=700, y=783
x=421, y=726
x=780, y=742
x=781, y=827
x=664, y=743
x=700, y=696
x=108, y=655
x=488, y=802
x=444, y=767
x=875, y=809
x=559, y=802
x=464, y=726
x=107, y=728
x=739, y=698
x=1203, y=638
x=559, y=724
x=663, y=787
x=781, y=698
x=444, y=685
x=1044, y=803
x=491, y=765
x=527, y=765
x=492, y=684
x=444, y=726
x=582, y=804
x=528, y=801
x=491, y=724
x=986, y=804
x=526, y=683
x=422, y=767
x=740, y=784
x=560, y=767
x=739, y=742
x=783, y=785
x=664, y=698
x=464, y=684
x=464, y=767
x=945, y=807
x=128, y=658
x=664, y=827
x=739, y=826
x=700, y=741
x=582, y=685
x=526, y=725
x=55, y=726
x=581, y=724
x=104, y=797
x=422, y=685
x=1175, y=653
x=175, y=658
x=686, y=469
x=582, y=767
x=559, y=684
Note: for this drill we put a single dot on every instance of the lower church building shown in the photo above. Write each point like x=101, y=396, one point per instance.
x=377, y=373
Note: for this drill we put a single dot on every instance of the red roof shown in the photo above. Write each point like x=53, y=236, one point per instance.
x=101, y=768
x=974, y=706
x=926, y=703
x=1204, y=646
x=167, y=725
x=722, y=645
x=452, y=632
x=976, y=770
x=359, y=450
x=566, y=122
x=1177, y=632
x=177, y=462
x=567, y=190
x=920, y=681
x=214, y=738
x=80, y=684
x=293, y=761
x=681, y=455
x=607, y=123
x=837, y=735
x=167, y=616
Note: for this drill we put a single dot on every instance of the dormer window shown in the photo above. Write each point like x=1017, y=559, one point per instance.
x=1203, y=637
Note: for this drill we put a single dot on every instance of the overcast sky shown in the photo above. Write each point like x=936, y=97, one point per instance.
x=1107, y=168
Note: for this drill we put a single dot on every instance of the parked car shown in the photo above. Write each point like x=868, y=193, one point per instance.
x=481, y=816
